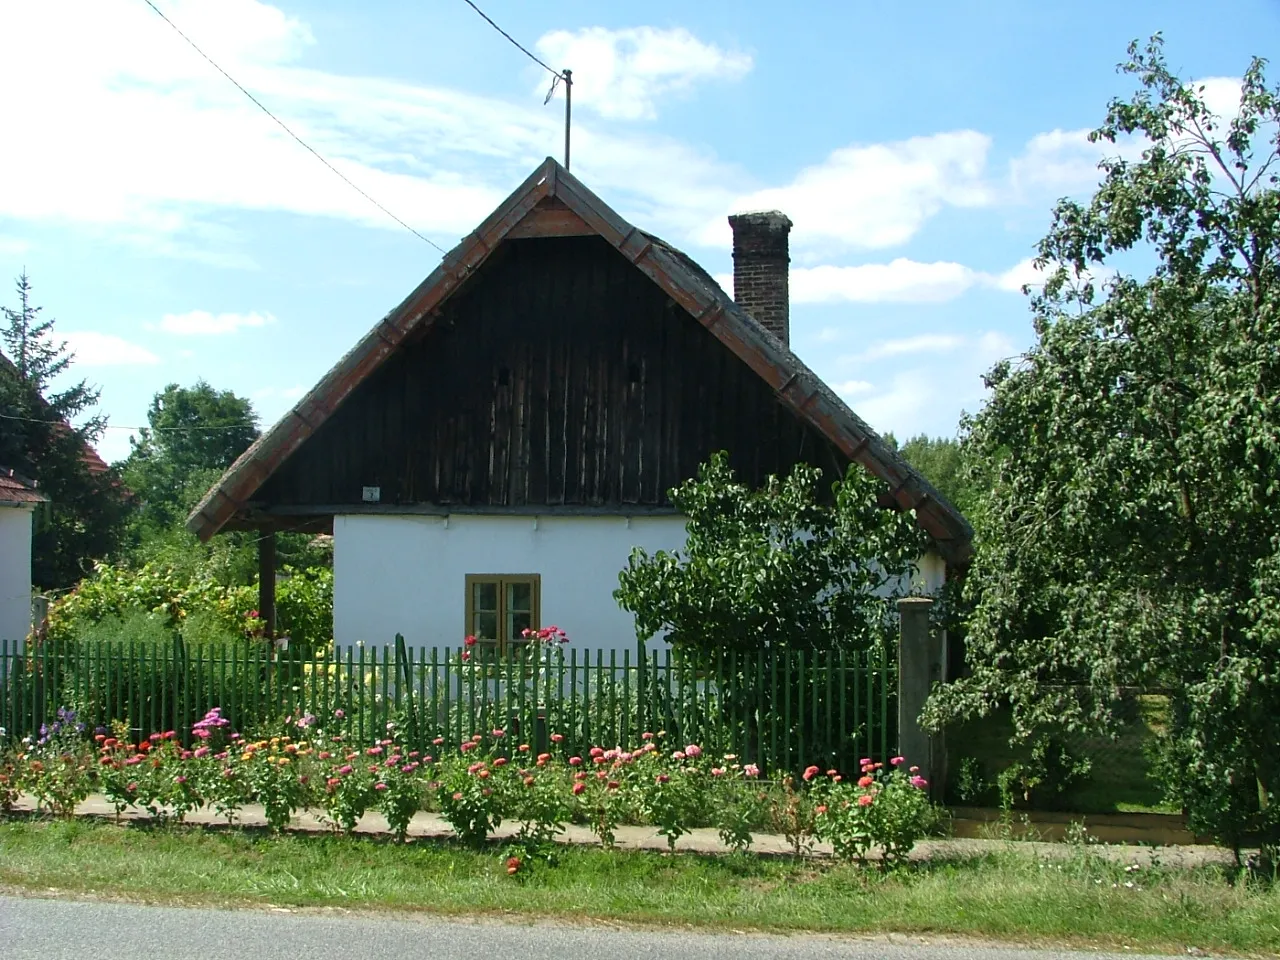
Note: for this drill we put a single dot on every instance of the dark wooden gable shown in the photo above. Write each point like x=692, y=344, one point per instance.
x=557, y=375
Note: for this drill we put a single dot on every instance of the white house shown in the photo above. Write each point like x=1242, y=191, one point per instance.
x=489, y=454
x=18, y=499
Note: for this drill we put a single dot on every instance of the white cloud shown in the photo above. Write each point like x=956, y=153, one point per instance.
x=900, y=281
x=204, y=323
x=94, y=349
x=1064, y=163
x=905, y=402
x=921, y=343
x=926, y=398
x=854, y=388
x=877, y=195
x=174, y=143
x=1023, y=273
x=1058, y=162
x=620, y=74
x=993, y=346
x=13, y=246
x=1221, y=95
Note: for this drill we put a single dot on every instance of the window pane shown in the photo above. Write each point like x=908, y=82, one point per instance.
x=520, y=596
x=519, y=608
x=518, y=623
x=484, y=597
x=486, y=624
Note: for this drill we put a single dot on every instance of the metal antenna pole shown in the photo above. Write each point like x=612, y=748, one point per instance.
x=568, y=112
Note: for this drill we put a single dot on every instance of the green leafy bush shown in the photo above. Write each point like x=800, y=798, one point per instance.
x=131, y=625
x=776, y=567
x=1051, y=769
x=120, y=592
x=304, y=608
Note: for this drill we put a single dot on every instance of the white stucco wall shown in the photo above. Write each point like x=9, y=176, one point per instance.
x=407, y=574
x=15, y=574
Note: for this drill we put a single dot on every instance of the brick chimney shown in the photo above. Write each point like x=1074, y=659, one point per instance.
x=760, y=264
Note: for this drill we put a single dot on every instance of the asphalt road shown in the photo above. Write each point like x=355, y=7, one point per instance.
x=33, y=929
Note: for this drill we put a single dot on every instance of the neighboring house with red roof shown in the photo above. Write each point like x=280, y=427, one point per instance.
x=89, y=456
x=18, y=500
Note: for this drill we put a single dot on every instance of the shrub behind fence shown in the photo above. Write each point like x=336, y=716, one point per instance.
x=780, y=709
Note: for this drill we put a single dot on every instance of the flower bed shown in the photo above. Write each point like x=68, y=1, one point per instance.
x=476, y=784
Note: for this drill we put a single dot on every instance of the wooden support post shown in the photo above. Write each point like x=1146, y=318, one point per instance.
x=267, y=582
x=921, y=664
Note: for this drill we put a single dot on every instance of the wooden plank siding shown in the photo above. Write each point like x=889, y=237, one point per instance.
x=557, y=375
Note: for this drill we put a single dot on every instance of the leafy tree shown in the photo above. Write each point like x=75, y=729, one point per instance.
x=941, y=460
x=199, y=426
x=193, y=435
x=84, y=520
x=1130, y=536
x=773, y=567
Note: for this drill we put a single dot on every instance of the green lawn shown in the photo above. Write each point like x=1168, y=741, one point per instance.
x=1008, y=895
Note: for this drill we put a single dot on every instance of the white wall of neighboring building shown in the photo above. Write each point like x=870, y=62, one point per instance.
x=407, y=574
x=396, y=573
x=931, y=575
x=15, y=574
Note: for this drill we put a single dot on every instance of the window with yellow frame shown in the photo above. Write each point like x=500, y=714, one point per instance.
x=500, y=607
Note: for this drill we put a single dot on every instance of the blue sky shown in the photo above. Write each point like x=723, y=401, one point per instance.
x=175, y=233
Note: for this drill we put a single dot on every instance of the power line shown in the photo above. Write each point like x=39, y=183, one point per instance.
x=556, y=75
x=516, y=43
x=286, y=129
x=108, y=426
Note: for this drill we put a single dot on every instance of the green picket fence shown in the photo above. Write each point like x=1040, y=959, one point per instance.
x=779, y=709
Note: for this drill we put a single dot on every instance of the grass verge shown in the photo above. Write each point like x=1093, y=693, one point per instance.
x=1007, y=895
